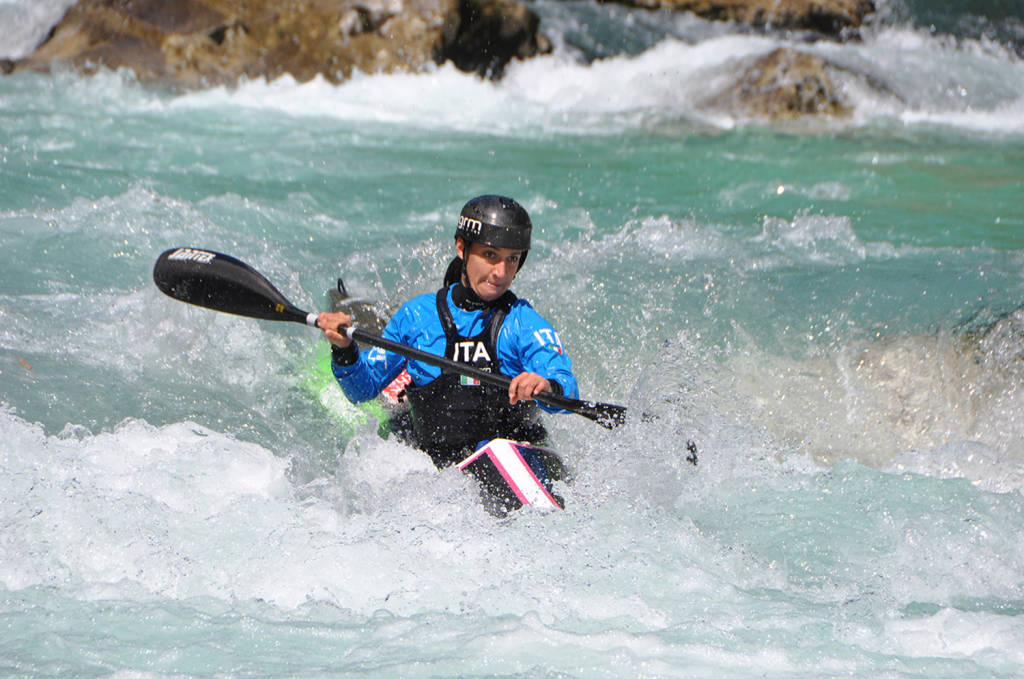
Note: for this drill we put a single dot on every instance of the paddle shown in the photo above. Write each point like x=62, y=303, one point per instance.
x=220, y=282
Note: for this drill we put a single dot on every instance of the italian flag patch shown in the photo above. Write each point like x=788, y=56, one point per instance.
x=467, y=381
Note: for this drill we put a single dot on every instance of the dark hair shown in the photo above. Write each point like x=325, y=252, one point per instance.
x=454, y=272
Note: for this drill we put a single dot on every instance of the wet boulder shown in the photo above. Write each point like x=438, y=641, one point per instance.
x=197, y=43
x=830, y=18
x=782, y=85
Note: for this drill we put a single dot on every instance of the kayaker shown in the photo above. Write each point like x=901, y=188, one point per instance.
x=473, y=319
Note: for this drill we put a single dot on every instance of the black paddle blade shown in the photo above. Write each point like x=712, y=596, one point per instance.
x=222, y=283
x=608, y=415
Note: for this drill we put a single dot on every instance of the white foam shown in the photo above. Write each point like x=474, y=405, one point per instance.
x=971, y=88
x=926, y=404
x=1005, y=118
x=918, y=78
x=26, y=23
x=986, y=466
x=551, y=93
x=442, y=97
x=950, y=633
x=102, y=507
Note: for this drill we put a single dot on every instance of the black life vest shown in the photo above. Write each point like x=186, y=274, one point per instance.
x=451, y=415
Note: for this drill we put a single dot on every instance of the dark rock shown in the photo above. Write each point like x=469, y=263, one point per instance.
x=483, y=36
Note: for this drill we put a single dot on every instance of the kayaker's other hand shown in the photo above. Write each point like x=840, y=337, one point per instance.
x=525, y=386
x=331, y=322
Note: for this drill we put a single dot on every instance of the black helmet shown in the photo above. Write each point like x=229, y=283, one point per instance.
x=492, y=220
x=496, y=221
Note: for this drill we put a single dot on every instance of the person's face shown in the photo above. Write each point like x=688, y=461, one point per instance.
x=490, y=269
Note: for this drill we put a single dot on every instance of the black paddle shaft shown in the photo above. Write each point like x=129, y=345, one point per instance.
x=605, y=414
x=220, y=282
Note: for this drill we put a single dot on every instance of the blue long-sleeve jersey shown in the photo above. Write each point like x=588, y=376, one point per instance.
x=525, y=343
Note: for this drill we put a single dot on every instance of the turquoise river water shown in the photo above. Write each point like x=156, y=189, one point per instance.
x=830, y=310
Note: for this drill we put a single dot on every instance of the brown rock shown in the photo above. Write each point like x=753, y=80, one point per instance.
x=209, y=42
x=782, y=85
x=827, y=17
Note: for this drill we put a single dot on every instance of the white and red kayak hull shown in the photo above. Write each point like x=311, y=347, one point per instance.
x=516, y=474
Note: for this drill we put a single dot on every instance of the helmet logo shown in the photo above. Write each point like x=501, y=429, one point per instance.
x=470, y=225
